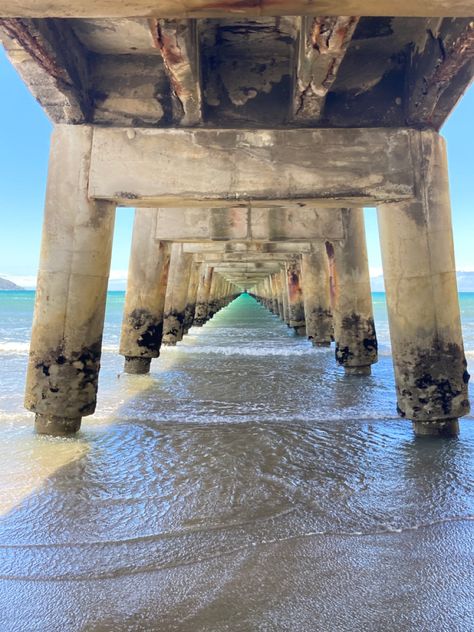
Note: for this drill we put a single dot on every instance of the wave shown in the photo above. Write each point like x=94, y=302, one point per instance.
x=23, y=348
x=246, y=351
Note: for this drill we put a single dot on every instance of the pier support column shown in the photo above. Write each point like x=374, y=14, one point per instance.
x=176, y=294
x=66, y=340
x=423, y=308
x=316, y=296
x=354, y=329
x=295, y=296
x=284, y=297
x=142, y=325
x=202, y=306
x=192, y=296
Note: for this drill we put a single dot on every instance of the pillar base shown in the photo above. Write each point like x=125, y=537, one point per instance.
x=437, y=428
x=137, y=366
x=56, y=426
x=300, y=330
x=321, y=343
x=358, y=370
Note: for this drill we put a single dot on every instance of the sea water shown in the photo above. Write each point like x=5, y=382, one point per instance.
x=246, y=484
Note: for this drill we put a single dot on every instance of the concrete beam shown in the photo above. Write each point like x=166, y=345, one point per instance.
x=323, y=43
x=228, y=168
x=229, y=8
x=53, y=64
x=228, y=224
x=178, y=42
x=251, y=248
x=237, y=257
x=441, y=69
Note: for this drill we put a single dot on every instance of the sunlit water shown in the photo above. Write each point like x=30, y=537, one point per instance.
x=246, y=484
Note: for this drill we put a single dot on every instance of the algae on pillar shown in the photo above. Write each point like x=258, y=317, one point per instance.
x=317, y=296
x=423, y=307
x=191, y=296
x=176, y=294
x=295, y=296
x=202, y=304
x=66, y=339
x=142, y=325
x=354, y=329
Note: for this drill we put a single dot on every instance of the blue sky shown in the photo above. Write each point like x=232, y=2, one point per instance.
x=24, y=147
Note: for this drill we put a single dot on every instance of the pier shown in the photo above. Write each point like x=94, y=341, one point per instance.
x=248, y=137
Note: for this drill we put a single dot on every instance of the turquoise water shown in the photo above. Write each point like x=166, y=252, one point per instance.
x=16, y=313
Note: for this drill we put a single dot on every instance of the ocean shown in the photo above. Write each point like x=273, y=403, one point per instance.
x=244, y=485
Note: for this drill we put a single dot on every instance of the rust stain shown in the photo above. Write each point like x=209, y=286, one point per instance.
x=460, y=53
x=19, y=30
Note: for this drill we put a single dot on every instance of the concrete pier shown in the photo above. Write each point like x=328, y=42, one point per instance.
x=317, y=296
x=66, y=339
x=202, y=306
x=423, y=307
x=145, y=118
x=176, y=294
x=142, y=326
x=192, y=296
x=295, y=296
x=354, y=329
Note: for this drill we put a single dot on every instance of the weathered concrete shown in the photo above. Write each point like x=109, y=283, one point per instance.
x=66, y=340
x=354, y=329
x=176, y=295
x=248, y=224
x=202, y=300
x=295, y=296
x=323, y=42
x=178, y=42
x=142, y=326
x=202, y=8
x=192, y=296
x=316, y=296
x=284, y=296
x=423, y=308
x=219, y=168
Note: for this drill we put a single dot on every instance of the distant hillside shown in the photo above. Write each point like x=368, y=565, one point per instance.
x=8, y=285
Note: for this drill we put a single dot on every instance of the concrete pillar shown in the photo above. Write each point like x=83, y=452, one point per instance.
x=274, y=290
x=284, y=296
x=66, y=339
x=176, y=294
x=279, y=290
x=295, y=296
x=192, y=296
x=142, y=325
x=213, y=300
x=202, y=305
x=317, y=296
x=354, y=329
x=423, y=308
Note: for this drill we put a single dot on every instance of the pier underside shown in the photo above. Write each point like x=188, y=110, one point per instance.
x=248, y=143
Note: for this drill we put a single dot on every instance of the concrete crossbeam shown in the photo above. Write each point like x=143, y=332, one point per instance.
x=252, y=248
x=228, y=168
x=205, y=9
x=222, y=224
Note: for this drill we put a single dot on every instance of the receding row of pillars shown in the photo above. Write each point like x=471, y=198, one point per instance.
x=166, y=293
x=326, y=295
